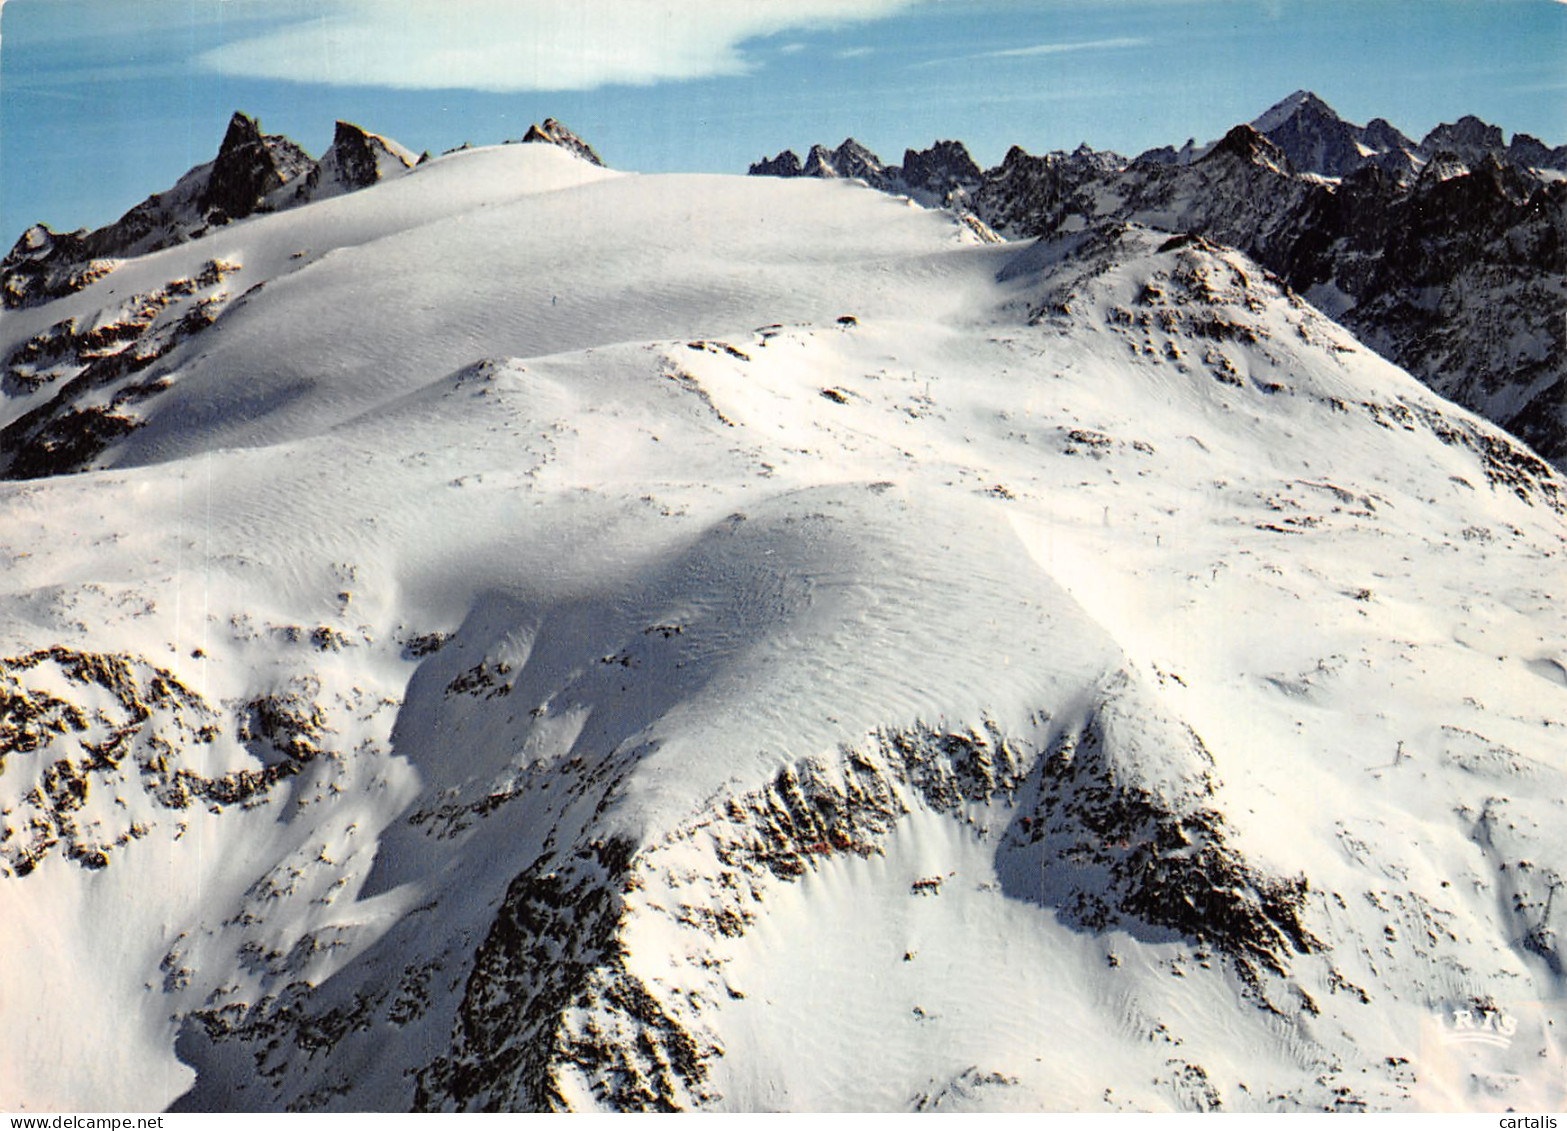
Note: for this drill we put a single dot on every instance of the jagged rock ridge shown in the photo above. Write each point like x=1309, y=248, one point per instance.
x=84, y=382
x=253, y=172
x=1318, y=141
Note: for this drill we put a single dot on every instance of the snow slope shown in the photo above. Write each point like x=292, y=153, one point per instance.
x=555, y=638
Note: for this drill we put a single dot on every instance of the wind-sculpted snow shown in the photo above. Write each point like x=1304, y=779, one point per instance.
x=567, y=640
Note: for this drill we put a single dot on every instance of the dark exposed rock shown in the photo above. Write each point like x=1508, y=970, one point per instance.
x=358, y=155
x=248, y=167
x=1316, y=140
x=144, y=722
x=1116, y=826
x=941, y=168
x=1159, y=155
x=45, y=264
x=553, y=133
x=786, y=164
x=850, y=160
x=357, y=160
x=1531, y=152
x=552, y=1005
x=1245, y=144
x=1128, y=847
x=552, y=953
x=1469, y=137
x=96, y=374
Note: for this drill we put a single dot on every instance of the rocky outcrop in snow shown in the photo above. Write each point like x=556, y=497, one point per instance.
x=249, y=167
x=553, y=133
x=357, y=159
x=82, y=724
x=82, y=383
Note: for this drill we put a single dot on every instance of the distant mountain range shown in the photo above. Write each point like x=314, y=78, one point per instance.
x=1447, y=256
x=1316, y=140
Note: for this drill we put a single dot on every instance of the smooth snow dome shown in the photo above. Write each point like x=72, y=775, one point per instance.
x=567, y=639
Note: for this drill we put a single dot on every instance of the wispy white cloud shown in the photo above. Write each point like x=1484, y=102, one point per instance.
x=861, y=52
x=517, y=45
x=1035, y=50
x=1066, y=48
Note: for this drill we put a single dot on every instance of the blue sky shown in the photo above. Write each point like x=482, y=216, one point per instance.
x=105, y=101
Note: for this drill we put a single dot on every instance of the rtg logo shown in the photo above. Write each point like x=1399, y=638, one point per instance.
x=1476, y=1027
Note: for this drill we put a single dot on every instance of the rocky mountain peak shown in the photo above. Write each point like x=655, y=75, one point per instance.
x=850, y=159
x=1316, y=140
x=1469, y=138
x=554, y=133
x=1101, y=160
x=242, y=130
x=1382, y=134
x=1442, y=166
x=942, y=166
x=44, y=262
x=37, y=241
x=249, y=166
x=1243, y=142
x=252, y=172
x=786, y=164
x=1301, y=104
x=361, y=155
x=818, y=162
x=357, y=159
x=1532, y=153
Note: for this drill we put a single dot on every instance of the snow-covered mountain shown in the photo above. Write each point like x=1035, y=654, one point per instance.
x=528, y=636
x=1447, y=257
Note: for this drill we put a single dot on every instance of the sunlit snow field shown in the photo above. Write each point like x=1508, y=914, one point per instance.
x=559, y=511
